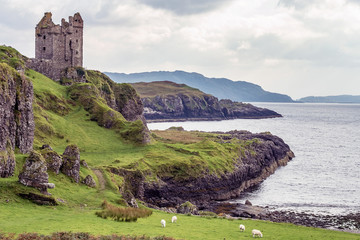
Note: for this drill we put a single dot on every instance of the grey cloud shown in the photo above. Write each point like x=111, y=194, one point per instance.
x=298, y=4
x=330, y=52
x=185, y=7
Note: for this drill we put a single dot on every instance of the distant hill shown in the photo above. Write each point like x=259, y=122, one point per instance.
x=221, y=88
x=332, y=99
x=165, y=100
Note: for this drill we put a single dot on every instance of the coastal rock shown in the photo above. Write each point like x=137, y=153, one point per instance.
x=71, y=162
x=34, y=172
x=16, y=117
x=53, y=160
x=166, y=100
x=89, y=181
x=267, y=153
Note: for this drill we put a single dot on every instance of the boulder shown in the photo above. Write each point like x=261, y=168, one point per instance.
x=71, y=162
x=247, y=202
x=34, y=172
x=89, y=181
x=53, y=160
x=187, y=207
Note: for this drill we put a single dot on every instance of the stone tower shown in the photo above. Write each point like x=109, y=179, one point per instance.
x=58, y=46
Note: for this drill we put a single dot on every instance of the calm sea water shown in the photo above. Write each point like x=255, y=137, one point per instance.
x=324, y=177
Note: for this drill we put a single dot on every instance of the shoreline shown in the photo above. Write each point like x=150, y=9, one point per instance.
x=207, y=119
x=341, y=222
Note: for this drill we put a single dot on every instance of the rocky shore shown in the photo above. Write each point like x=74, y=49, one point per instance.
x=346, y=222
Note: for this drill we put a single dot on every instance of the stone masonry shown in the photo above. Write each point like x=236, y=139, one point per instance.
x=57, y=46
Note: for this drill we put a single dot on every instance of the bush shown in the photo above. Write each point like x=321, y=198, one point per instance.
x=128, y=214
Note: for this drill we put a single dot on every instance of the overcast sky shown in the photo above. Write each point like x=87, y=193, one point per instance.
x=296, y=47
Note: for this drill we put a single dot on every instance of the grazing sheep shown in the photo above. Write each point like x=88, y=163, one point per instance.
x=174, y=219
x=242, y=227
x=256, y=232
x=163, y=223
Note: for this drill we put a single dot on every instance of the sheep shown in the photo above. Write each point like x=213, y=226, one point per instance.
x=174, y=219
x=163, y=223
x=242, y=227
x=256, y=232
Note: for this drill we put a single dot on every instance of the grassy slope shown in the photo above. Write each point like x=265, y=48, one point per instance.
x=66, y=122
x=45, y=220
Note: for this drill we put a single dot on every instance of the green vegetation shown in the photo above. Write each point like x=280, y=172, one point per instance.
x=46, y=220
x=12, y=57
x=153, y=89
x=79, y=114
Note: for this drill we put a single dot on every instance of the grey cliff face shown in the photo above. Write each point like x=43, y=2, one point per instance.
x=16, y=117
x=71, y=162
x=182, y=106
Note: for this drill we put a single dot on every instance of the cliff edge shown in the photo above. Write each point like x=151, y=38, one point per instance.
x=168, y=101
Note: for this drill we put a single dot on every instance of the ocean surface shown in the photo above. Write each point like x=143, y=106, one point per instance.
x=324, y=177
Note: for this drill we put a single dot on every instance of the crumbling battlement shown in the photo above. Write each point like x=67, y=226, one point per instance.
x=57, y=46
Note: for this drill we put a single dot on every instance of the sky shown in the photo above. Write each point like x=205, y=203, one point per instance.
x=295, y=47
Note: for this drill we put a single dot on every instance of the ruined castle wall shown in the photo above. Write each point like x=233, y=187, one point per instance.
x=57, y=46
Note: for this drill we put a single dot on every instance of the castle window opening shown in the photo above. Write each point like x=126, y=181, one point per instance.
x=44, y=48
x=77, y=40
x=77, y=52
x=44, y=37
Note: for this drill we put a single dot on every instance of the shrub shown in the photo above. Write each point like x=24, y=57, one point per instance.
x=128, y=214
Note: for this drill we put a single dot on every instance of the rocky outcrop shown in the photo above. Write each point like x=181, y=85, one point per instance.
x=187, y=208
x=34, y=172
x=53, y=160
x=89, y=181
x=71, y=162
x=170, y=101
x=7, y=161
x=182, y=106
x=16, y=117
x=264, y=155
x=128, y=103
x=39, y=199
x=112, y=105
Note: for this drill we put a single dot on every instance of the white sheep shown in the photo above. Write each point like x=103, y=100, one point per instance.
x=256, y=232
x=242, y=227
x=174, y=219
x=163, y=223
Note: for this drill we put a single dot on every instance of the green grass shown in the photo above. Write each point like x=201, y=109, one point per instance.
x=17, y=218
x=153, y=89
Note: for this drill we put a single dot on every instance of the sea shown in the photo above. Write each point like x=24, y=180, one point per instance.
x=324, y=176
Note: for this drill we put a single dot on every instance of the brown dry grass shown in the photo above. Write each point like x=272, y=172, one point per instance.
x=174, y=136
x=128, y=214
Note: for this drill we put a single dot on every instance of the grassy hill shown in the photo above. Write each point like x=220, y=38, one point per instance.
x=152, y=89
x=72, y=115
x=222, y=88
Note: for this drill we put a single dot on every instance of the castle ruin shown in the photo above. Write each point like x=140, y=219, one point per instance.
x=58, y=47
